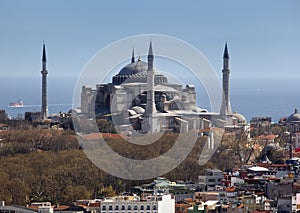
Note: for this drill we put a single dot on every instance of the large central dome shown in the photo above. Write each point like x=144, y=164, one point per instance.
x=134, y=68
x=136, y=72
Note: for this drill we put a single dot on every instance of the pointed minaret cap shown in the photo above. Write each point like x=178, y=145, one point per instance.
x=132, y=57
x=226, y=54
x=150, y=53
x=44, y=52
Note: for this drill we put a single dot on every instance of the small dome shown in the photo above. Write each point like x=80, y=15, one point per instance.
x=240, y=118
x=295, y=117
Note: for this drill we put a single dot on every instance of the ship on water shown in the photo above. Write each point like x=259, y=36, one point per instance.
x=18, y=103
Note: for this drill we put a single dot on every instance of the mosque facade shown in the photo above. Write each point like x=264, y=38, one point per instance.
x=141, y=98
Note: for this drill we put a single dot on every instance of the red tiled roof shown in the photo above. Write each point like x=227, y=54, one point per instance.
x=230, y=189
x=209, y=129
x=97, y=136
x=241, y=206
x=92, y=137
x=109, y=135
x=97, y=204
x=61, y=207
x=296, y=186
x=188, y=200
x=266, y=137
x=259, y=193
x=184, y=205
x=33, y=207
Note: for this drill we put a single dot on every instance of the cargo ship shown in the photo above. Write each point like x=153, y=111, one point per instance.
x=18, y=103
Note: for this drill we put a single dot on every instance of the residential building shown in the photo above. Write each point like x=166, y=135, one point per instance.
x=211, y=178
x=133, y=204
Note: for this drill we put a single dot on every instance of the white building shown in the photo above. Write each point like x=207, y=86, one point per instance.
x=45, y=209
x=133, y=204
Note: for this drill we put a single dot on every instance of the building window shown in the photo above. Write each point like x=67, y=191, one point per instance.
x=110, y=207
x=154, y=207
x=135, y=207
x=148, y=207
x=142, y=207
x=103, y=207
x=129, y=207
x=117, y=207
x=123, y=207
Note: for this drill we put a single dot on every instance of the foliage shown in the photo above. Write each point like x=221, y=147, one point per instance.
x=47, y=165
x=235, y=148
x=26, y=141
x=105, y=127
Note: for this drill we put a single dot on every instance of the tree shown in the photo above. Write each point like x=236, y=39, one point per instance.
x=19, y=192
x=237, y=146
x=5, y=187
x=73, y=193
x=108, y=191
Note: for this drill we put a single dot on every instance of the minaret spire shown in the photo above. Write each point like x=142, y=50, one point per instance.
x=44, y=110
x=226, y=107
x=132, y=57
x=226, y=54
x=44, y=57
x=150, y=120
x=150, y=57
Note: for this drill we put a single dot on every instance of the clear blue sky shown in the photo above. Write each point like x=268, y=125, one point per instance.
x=263, y=36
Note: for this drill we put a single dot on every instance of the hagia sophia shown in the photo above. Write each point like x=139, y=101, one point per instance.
x=140, y=98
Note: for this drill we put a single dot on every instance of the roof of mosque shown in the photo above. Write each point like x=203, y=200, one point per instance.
x=134, y=68
x=295, y=117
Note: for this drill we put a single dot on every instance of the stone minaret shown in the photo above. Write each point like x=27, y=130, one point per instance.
x=132, y=57
x=226, y=108
x=150, y=121
x=44, y=110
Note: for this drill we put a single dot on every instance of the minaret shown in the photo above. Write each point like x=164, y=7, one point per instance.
x=132, y=57
x=150, y=121
x=150, y=107
x=44, y=110
x=226, y=108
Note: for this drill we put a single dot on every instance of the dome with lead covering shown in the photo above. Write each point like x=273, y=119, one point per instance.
x=240, y=118
x=134, y=68
x=136, y=72
x=295, y=117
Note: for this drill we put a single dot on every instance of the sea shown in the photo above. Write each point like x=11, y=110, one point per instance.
x=272, y=97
